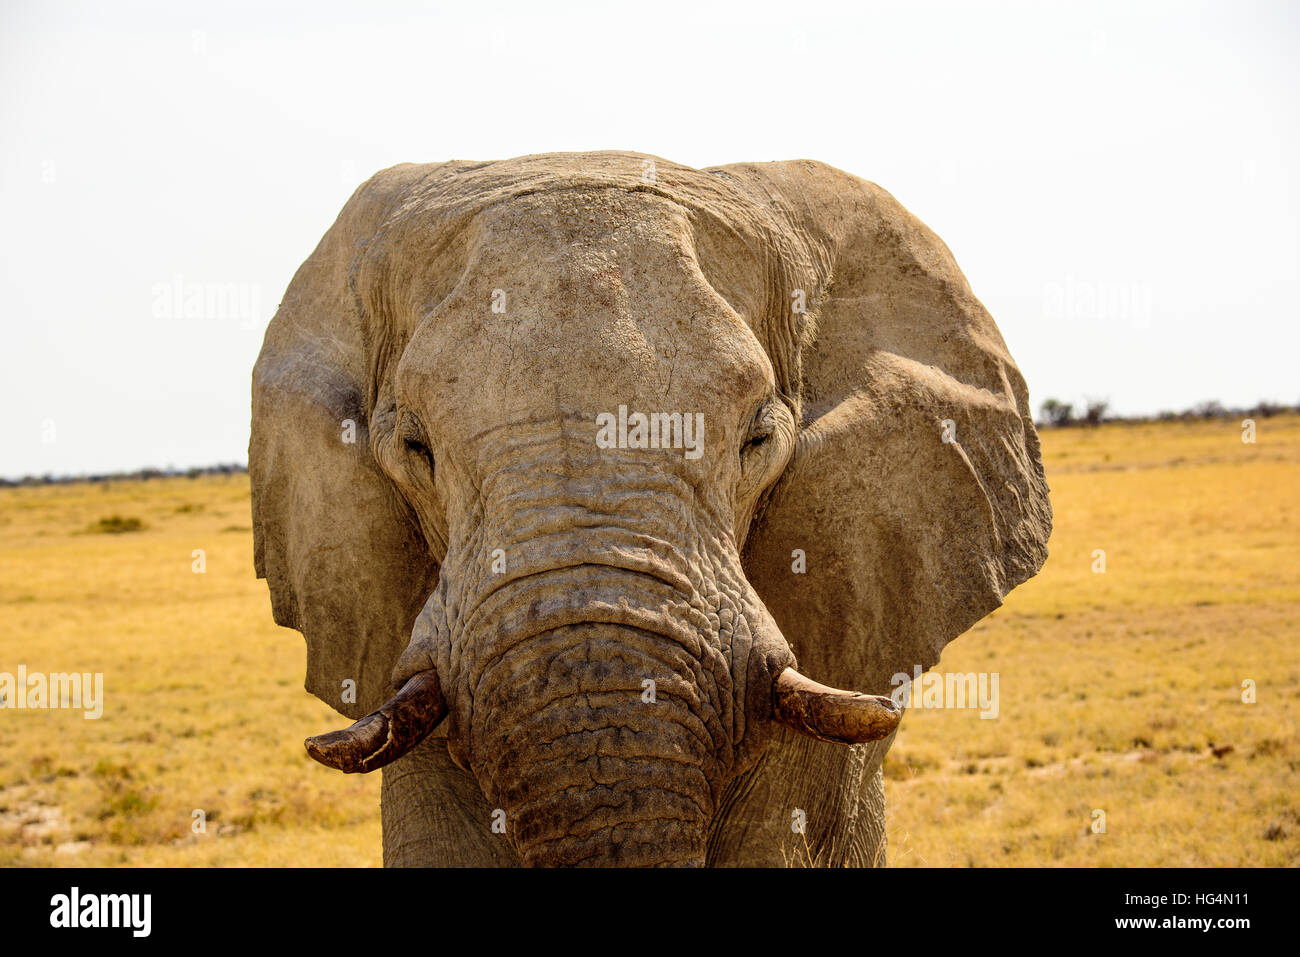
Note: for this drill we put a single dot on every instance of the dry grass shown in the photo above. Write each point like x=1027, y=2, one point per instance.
x=1121, y=692
x=204, y=707
x=1116, y=689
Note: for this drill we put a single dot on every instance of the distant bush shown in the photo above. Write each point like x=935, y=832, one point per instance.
x=1055, y=412
x=141, y=475
x=116, y=525
x=1264, y=409
x=1212, y=409
x=1094, y=412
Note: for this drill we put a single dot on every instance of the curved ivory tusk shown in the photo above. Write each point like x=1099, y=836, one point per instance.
x=829, y=714
x=383, y=736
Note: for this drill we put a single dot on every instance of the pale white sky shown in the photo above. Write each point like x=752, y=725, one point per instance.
x=1118, y=181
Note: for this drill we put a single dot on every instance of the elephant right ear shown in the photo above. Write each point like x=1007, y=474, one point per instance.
x=915, y=499
x=341, y=552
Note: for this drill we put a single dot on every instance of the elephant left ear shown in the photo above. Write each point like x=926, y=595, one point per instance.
x=341, y=552
x=915, y=499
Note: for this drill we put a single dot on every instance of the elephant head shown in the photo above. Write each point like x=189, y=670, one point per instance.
x=581, y=452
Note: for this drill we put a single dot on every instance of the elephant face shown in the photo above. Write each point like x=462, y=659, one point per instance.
x=621, y=450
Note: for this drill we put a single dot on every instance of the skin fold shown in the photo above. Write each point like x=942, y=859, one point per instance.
x=603, y=626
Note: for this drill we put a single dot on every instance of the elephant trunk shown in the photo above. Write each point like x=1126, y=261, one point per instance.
x=593, y=749
x=602, y=714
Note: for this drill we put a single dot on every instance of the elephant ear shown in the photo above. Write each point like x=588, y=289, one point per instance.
x=343, y=556
x=916, y=491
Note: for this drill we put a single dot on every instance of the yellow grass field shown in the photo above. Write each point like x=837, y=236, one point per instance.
x=1120, y=692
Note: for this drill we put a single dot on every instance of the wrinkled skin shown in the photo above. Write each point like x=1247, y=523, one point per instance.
x=478, y=528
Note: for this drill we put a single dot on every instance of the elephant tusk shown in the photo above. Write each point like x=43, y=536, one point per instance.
x=829, y=714
x=383, y=736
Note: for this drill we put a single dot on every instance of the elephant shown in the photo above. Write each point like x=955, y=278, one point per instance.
x=569, y=467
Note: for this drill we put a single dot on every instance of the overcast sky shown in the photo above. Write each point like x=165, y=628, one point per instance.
x=1118, y=181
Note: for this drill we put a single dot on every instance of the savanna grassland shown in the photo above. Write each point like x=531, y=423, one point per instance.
x=204, y=707
x=1120, y=691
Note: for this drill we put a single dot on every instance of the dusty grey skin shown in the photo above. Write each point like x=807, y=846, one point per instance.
x=475, y=431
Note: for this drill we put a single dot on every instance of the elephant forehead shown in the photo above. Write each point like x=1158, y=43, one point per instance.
x=590, y=299
x=578, y=215
x=576, y=253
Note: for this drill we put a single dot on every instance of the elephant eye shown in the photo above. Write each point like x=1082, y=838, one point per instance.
x=761, y=430
x=410, y=431
x=416, y=447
